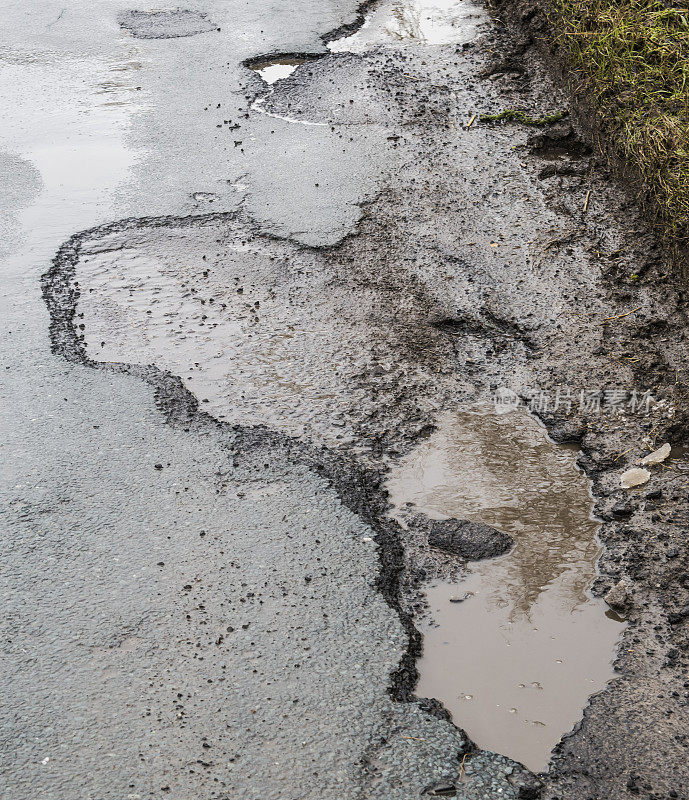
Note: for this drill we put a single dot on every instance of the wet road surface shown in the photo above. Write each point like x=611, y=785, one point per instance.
x=283, y=250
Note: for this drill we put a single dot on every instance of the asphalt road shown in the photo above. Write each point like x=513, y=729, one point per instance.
x=252, y=311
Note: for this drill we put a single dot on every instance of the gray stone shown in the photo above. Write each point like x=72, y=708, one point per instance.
x=470, y=540
x=618, y=596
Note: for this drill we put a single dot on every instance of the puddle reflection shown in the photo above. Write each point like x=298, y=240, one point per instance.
x=515, y=661
x=432, y=22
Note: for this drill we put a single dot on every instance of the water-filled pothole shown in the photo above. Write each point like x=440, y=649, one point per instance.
x=276, y=69
x=515, y=648
x=432, y=22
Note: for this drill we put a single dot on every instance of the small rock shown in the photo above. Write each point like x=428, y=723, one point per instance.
x=618, y=597
x=677, y=616
x=470, y=540
x=622, y=510
x=634, y=477
x=673, y=552
x=157, y=466
x=658, y=456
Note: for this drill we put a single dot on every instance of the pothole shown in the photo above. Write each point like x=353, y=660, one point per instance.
x=515, y=648
x=276, y=69
x=165, y=24
x=432, y=22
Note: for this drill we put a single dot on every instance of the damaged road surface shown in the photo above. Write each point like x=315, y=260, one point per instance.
x=254, y=258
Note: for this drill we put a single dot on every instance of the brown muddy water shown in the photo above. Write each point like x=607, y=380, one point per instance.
x=516, y=646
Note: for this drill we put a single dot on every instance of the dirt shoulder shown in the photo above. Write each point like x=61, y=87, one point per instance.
x=633, y=738
x=625, y=65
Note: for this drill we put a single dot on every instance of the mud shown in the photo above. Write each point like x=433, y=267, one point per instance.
x=387, y=264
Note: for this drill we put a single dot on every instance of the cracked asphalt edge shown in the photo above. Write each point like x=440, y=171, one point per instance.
x=360, y=489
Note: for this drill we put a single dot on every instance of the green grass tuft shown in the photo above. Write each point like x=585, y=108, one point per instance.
x=634, y=57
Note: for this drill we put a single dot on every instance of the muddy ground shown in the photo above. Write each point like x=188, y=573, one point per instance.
x=207, y=596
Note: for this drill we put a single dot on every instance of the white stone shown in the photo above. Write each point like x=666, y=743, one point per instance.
x=634, y=477
x=658, y=456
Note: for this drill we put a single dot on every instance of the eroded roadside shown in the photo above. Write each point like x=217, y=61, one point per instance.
x=489, y=256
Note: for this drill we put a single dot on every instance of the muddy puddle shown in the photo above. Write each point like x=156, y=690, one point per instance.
x=432, y=22
x=515, y=647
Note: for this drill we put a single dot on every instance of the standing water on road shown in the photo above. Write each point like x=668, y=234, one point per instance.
x=516, y=659
x=433, y=22
x=277, y=69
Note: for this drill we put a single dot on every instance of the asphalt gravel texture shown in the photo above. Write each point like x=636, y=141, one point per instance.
x=224, y=322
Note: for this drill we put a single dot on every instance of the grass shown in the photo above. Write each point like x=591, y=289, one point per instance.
x=634, y=58
x=517, y=115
